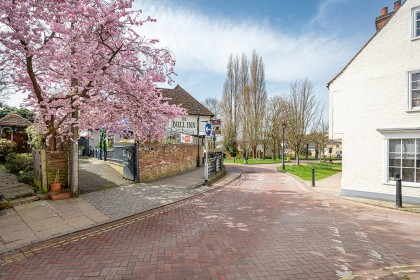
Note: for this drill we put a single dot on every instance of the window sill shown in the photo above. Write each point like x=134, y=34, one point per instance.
x=413, y=110
x=404, y=184
x=415, y=38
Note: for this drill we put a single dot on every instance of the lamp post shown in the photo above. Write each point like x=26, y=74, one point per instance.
x=283, y=126
x=198, y=135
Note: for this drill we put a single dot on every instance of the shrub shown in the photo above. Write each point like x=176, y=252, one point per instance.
x=324, y=165
x=36, y=137
x=19, y=162
x=26, y=176
x=7, y=146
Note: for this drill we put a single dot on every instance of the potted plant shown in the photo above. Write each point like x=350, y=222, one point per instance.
x=56, y=186
x=57, y=193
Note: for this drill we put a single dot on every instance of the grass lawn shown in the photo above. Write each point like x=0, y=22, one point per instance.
x=253, y=161
x=305, y=172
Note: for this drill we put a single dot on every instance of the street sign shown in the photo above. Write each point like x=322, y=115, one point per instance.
x=207, y=129
x=217, y=126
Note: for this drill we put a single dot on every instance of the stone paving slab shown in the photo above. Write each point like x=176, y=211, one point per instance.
x=332, y=186
x=135, y=198
x=28, y=223
x=37, y=221
x=96, y=175
x=11, y=188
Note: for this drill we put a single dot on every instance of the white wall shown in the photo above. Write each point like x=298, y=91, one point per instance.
x=372, y=94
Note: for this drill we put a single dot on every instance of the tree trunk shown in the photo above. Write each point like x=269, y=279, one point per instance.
x=74, y=153
x=264, y=149
x=297, y=157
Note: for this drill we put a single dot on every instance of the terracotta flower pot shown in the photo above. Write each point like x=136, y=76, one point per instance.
x=60, y=196
x=55, y=187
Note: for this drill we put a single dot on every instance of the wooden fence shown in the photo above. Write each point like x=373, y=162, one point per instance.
x=46, y=164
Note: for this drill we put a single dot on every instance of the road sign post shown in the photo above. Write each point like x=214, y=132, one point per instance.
x=206, y=164
x=208, y=131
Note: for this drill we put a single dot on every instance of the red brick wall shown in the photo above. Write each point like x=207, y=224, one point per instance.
x=166, y=159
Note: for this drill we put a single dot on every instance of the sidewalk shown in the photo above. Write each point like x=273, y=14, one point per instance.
x=41, y=220
x=332, y=186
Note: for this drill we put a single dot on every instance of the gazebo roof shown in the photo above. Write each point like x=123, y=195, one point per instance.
x=14, y=120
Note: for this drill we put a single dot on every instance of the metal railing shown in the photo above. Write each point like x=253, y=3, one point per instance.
x=215, y=163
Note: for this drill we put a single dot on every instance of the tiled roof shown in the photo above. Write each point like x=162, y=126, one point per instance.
x=14, y=120
x=178, y=96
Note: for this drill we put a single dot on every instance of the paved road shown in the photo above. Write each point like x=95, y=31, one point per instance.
x=264, y=225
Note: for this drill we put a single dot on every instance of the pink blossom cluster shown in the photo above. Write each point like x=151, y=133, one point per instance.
x=83, y=63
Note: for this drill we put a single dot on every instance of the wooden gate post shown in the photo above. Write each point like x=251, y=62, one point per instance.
x=44, y=181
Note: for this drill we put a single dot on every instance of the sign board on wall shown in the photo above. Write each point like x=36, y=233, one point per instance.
x=186, y=139
x=188, y=124
x=217, y=126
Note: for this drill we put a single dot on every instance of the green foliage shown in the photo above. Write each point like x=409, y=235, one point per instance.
x=232, y=149
x=36, y=138
x=26, y=176
x=19, y=162
x=23, y=112
x=102, y=141
x=406, y=277
x=325, y=165
x=304, y=172
x=7, y=146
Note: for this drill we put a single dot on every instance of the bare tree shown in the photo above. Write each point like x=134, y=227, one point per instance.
x=243, y=103
x=245, y=107
x=213, y=104
x=302, y=109
x=275, y=116
x=258, y=99
x=319, y=135
x=229, y=107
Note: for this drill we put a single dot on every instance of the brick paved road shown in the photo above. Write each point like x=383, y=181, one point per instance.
x=262, y=226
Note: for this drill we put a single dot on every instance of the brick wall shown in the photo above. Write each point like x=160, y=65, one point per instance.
x=166, y=159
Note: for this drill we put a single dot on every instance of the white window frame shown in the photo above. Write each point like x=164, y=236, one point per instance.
x=398, y=136
x=410, y=91
x=414, y=23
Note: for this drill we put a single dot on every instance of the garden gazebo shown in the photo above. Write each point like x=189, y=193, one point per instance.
x=12, y=127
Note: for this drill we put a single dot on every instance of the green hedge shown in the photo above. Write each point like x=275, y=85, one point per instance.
x=18, y=163
x=7, y=146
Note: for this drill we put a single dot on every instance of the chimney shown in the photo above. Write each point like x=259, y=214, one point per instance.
x=397, y=5
x=385, y=16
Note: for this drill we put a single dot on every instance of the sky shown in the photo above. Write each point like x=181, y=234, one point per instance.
x=298, y=39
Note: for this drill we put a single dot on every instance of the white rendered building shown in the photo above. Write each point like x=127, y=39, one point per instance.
x=375, y=109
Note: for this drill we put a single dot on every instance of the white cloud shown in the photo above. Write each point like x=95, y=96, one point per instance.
x=203, y=43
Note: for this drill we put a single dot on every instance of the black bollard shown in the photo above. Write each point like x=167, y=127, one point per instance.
x=313, y=177
x=398, y=197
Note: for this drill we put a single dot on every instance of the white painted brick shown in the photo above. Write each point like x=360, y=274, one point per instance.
x=371, y=94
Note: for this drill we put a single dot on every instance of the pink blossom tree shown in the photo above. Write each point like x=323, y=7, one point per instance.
x=85, y=66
